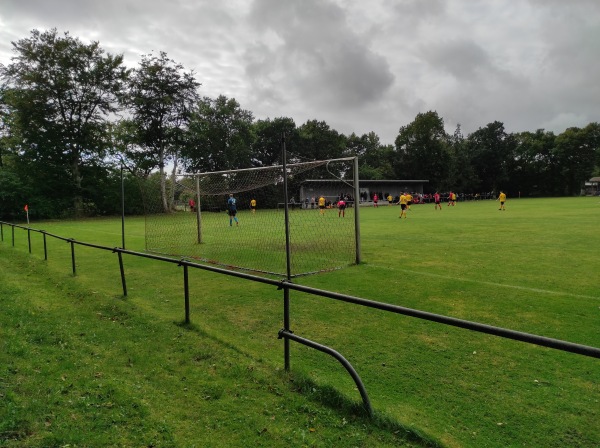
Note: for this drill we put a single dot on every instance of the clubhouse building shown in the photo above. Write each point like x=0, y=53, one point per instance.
x=331, y=189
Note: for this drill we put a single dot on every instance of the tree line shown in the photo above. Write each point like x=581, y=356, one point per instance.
x=73, y=118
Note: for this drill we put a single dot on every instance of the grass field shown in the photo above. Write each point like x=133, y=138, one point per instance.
x=134, y=375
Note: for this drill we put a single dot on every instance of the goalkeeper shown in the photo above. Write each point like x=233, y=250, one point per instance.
x=232, y=210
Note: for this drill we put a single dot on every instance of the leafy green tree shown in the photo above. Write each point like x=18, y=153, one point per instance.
x=535, y=172
x=374, y=159
x=220, y=136
x=460, y=176
x=266, y=147
x=576, y=151
x=319, y=142
x=59, y=93
x=491, y=150
x=593, y=134
x=5, y=117
x=422, y=149
x=161, y=97
x=13, y=195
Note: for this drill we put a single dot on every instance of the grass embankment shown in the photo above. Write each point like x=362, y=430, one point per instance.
x=532, y=268
x=82, y=367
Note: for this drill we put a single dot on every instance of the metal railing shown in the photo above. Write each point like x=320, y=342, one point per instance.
x=287, y=285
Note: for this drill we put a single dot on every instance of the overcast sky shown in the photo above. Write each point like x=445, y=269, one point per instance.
x=358, y=65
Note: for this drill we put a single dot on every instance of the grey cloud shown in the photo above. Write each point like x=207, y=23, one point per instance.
x=360, y=66
x=463, y=59
x=417, y=10
x=326, y=60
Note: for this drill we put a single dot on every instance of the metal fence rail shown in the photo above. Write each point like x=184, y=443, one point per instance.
x=287, y=285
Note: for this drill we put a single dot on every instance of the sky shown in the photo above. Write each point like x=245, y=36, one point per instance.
x=359, y=66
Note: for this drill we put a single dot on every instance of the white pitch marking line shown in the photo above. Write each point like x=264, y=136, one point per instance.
x=523, y=288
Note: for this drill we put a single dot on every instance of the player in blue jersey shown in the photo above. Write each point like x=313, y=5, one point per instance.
x=232, y=210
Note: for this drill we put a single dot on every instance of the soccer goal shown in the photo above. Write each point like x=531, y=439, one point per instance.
x=271, y=224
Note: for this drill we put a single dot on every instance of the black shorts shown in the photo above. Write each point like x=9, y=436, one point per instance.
x=232, y=212
x=403, y=206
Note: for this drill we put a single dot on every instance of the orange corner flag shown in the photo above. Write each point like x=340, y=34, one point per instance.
x=26, y=208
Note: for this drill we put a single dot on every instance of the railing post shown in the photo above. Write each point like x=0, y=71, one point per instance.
x=73, y=255
x=122, y=273
x=29, y=239
x=13, y=236
x=45, y=246
x=286, y=327
x=1, y=232
x=186, y=288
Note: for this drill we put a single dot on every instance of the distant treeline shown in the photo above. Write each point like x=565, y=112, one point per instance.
x=73, y=117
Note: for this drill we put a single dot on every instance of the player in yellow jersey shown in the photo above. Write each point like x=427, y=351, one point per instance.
x=253, y=205
x=403, y=205
x=451, y=199
x=408, y=200
x=502, y=199
x=390, y=200
x=321, y=205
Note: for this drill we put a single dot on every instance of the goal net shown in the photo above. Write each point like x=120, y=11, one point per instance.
x=197, y=224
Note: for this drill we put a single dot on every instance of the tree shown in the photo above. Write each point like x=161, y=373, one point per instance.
x=422, y=149
x=593, y=130
x=374, y=159
x=60, y=92
x=266, y=148
x=319, y=142
x=491, y=150
x=220, y=136
x=161, y=98
x=576, y=150
x=536, y=169
x=460, y=176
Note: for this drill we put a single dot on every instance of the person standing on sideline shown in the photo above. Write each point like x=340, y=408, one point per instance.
x=192, y=205
x=341, y=208
x=437, y=200
x=403, y=202
x=375, y=200
x=253, y=205
x=232, y=210
x=502, y=199
x=321, y=205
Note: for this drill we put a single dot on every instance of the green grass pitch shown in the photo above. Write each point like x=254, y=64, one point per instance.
x=532, y=268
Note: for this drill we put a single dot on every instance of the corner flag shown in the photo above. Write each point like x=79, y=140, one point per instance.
x=26, y=208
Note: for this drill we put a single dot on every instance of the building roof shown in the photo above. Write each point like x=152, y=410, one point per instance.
x=595, y=179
